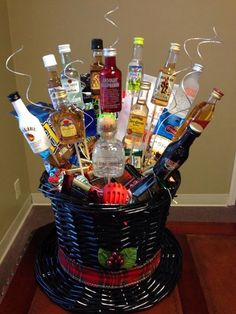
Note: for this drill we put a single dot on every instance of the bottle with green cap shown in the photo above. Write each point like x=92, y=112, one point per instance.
x=135, y=68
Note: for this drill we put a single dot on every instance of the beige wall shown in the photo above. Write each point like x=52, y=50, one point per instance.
x=12, y=157
x=41, y=25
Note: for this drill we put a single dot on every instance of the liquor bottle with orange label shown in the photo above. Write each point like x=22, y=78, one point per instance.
x=137, y=119
x=67, y=121
x=166, y=78
x=96, y=66
x=202, y=113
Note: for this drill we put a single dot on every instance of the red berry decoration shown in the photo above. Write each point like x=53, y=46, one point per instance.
x=115, y=193
x=115, y=260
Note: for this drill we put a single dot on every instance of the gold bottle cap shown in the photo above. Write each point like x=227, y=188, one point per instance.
x=217, y=93
x=175, y=47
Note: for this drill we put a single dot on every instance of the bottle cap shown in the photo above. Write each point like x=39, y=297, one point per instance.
x=139, y=41
x=145, y=85
x=49, y=60
x=64, y=48
x=109, y=52
x=96, y=43
x=196, y=127
x=197, y=67
x=106, y=123
x=13, y=96
x=217, y=93
x=175, y=47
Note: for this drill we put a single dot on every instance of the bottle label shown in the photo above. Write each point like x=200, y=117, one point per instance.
x=95, y=80
x=53, y=94
x=170, y=165
x=191, y=92
x=67, y=128
x=164, y=86
x=134, y=77
x=136, y=124
x=110, y=94
x=73, y=90
x=36, y=138
x=159, y=144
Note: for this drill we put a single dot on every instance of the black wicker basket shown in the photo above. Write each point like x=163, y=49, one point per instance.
x=83, y=230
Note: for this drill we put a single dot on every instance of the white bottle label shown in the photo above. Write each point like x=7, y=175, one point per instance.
x=36, y=138
x=73, y=90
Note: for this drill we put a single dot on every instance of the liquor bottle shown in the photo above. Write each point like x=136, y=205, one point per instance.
x=135, y=68
x=173, y=115
x=166, y=78
x=67, y=120
x=110, y=80
x=137, y=119
x=54, y=82
x=202, y=113
x=108, y=152
x=29, y=125
x=96, y=66
x=70, y=78
x=177, y=152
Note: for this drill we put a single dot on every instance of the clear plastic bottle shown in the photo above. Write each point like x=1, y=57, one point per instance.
x=108, y=152
x=70, y=78
x=135, y=68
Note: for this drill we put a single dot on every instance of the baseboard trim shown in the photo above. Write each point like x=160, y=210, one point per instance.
x=181, y=200
x=15, y=227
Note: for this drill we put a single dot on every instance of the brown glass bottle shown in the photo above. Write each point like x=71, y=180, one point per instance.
x=67, y=121
x=166, y=78
x=202, y=113
x=96, y=66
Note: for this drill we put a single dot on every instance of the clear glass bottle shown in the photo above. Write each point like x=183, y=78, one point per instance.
x=110, y=80
x=108, y=152
x=54, y=82
x=177, y=152
x=29, y=125
x=135, y=68
x=137, y=119
x=202, y=113
x=67, y=121
x=96, y=66
x=70, y=78
x=166, y=78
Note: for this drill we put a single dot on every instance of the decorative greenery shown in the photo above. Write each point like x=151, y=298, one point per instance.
x=129, y=257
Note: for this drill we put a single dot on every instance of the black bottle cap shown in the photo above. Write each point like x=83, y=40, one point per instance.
x=13, y=96
x=97, y=43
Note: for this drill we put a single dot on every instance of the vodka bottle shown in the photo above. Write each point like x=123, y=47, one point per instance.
x=70, y=78
x=29, y=125
x=108, y=152
x=54, y=82
x=110, y=80
x=166, y=78
x=202, y=113
x=135, y=68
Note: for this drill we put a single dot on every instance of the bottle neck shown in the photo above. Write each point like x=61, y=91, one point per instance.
x=172, y=59
x=110, y=61
x=138, y=52
x=97, y=55
x=20, y=107
x=60, y=103
x=143, y=96
x=188, y=137
x=65, y=58
x=212, y=100
x=107, y=135
x=52, y=72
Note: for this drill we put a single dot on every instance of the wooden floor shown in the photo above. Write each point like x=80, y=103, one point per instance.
x=207, y=284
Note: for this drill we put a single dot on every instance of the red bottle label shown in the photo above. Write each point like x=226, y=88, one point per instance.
x=110, y=94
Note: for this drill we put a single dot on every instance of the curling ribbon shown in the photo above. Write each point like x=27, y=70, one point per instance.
x=23, y=74
x=113, y=23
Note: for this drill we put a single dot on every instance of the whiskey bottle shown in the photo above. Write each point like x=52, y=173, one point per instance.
x=67, y=120
x=96, y=66
x=166, y=78
x=202, y=113
x=54, y=82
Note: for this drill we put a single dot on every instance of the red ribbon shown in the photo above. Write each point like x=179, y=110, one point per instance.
x=105, y=279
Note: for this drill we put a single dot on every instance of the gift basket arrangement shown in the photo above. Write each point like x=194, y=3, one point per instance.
x=111, y=158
